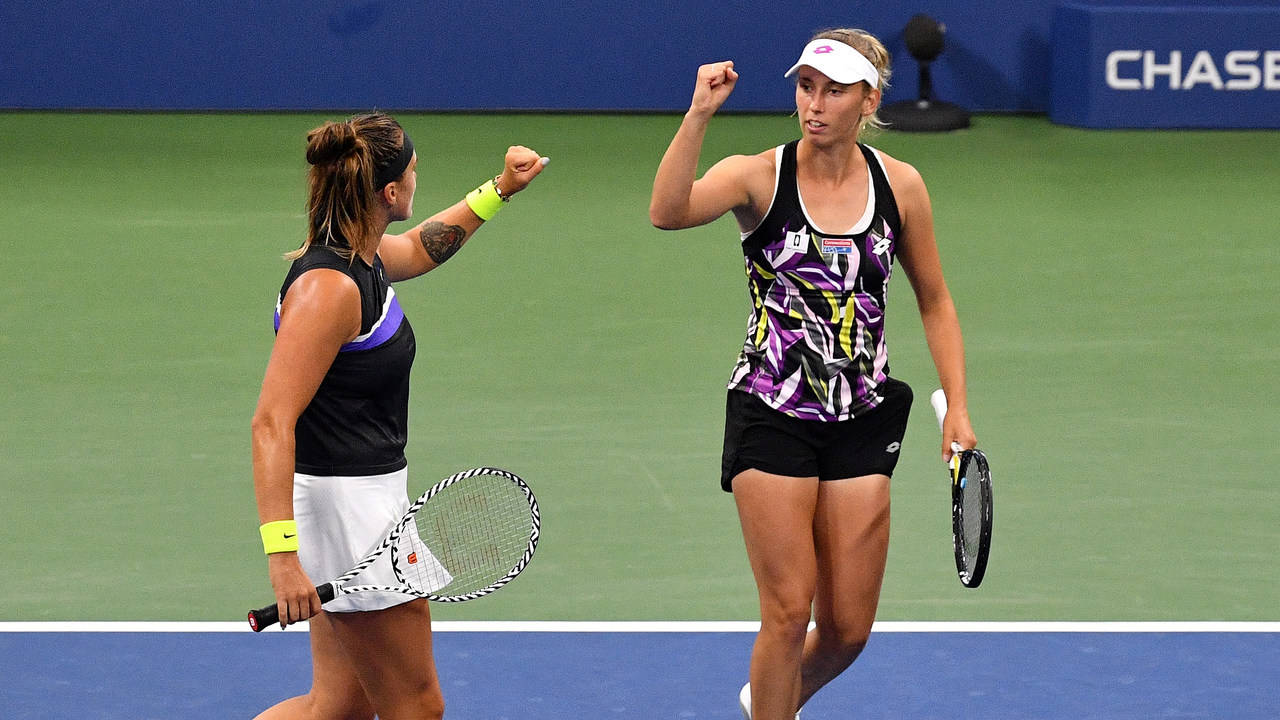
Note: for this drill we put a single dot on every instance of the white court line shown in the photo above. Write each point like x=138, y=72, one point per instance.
x=674, y=627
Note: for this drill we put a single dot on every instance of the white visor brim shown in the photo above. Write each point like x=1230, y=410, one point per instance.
x=838, y=61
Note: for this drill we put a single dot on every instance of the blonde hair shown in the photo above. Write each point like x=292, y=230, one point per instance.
x=871, y=48
x=341, y=197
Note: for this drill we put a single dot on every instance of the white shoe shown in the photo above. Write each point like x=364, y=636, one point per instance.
x=744, y=702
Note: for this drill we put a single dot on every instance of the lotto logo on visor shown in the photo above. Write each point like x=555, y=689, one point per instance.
x=837, y=61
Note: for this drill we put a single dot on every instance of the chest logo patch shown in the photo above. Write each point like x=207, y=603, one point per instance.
x=837, y=246
x=797, y=240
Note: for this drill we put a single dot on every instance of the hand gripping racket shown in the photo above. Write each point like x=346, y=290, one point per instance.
x=970, y=504
x=467, y=536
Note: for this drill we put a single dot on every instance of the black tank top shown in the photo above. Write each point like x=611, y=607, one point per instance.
x=815, y=346
x=357, y=422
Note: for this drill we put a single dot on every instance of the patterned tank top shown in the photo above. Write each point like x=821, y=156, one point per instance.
x=815, y=345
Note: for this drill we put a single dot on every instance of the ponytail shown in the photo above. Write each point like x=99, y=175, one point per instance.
x=341, y=193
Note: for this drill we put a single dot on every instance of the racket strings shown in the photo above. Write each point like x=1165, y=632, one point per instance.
x=973, y=521
x=469, y=536
x=971, y=515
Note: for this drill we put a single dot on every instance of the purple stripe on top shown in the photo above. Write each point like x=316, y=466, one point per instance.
x=382, y=331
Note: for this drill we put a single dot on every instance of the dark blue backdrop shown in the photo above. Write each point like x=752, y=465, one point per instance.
x=486, y=54
x=1160, y=67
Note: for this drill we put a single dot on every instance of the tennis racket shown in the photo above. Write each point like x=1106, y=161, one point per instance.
x=467, y=536
x=970, y=504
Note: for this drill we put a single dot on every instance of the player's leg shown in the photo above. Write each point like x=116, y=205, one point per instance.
x=851, y=533
x=391, y=652
x=336, y=691
x=777, y=525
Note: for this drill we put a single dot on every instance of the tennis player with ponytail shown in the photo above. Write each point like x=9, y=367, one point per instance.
x=329, y=431
x=814, y=423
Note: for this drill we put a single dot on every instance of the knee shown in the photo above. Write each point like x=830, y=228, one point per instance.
x=425, y=704
x=429, y=702
x=785, y=619
x=433, y=708
x=846, y=643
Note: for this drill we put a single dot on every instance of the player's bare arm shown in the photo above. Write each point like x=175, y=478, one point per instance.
x=439, y=237
x=680, y=199
x=918, y=253
x=320, y=312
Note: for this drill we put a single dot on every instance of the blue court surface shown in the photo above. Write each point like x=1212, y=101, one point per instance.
x=545, y=671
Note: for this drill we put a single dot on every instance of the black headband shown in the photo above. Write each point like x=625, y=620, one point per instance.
x=387, y=174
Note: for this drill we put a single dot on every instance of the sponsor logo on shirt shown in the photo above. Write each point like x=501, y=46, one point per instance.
x=837, y=246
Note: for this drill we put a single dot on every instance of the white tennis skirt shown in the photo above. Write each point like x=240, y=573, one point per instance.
x=340, y=520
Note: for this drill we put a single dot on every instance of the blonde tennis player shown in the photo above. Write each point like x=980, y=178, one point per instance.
x=814, y=422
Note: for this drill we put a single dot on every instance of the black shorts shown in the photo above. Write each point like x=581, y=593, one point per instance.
x=757, y=437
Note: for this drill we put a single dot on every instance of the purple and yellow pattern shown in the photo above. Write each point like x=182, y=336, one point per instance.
x=815, y=345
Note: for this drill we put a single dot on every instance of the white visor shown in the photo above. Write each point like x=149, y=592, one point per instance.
x=837, y=61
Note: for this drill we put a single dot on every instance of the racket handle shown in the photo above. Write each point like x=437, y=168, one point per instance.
x=939, y=402
x=270, y=615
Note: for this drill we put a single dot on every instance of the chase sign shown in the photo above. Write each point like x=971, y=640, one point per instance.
x=1163, y=67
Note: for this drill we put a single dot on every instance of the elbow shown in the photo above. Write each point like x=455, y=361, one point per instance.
x=663, y=220
x=268, y=427
x=261, y=423
x=937, y=304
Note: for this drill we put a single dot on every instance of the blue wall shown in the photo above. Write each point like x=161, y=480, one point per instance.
x=1159, y=67
x=488, y=54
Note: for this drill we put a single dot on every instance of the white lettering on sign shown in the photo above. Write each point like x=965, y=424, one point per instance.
x=1237, y=70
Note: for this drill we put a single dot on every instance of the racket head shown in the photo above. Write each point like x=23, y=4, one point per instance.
x=471, y=533
x=971, y=516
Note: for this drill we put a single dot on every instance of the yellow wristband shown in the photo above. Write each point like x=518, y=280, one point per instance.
x=485, y=201
x=279, y=536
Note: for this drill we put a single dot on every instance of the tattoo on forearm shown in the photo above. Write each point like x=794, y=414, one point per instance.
x=441, y=241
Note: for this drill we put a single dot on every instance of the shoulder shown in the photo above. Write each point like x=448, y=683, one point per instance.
x=909, y=191
x=752, y=174
x=321, y=306
x=902, y=176
x=323, y=291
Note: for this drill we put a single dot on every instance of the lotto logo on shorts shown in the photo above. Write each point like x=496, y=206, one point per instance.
x=413, y=558
x=837, y=246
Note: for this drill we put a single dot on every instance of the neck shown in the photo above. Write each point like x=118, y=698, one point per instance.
x=833, y=162
x=371, y=249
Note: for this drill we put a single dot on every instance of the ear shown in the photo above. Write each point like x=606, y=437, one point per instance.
x=871, y=101
x=388, y=194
